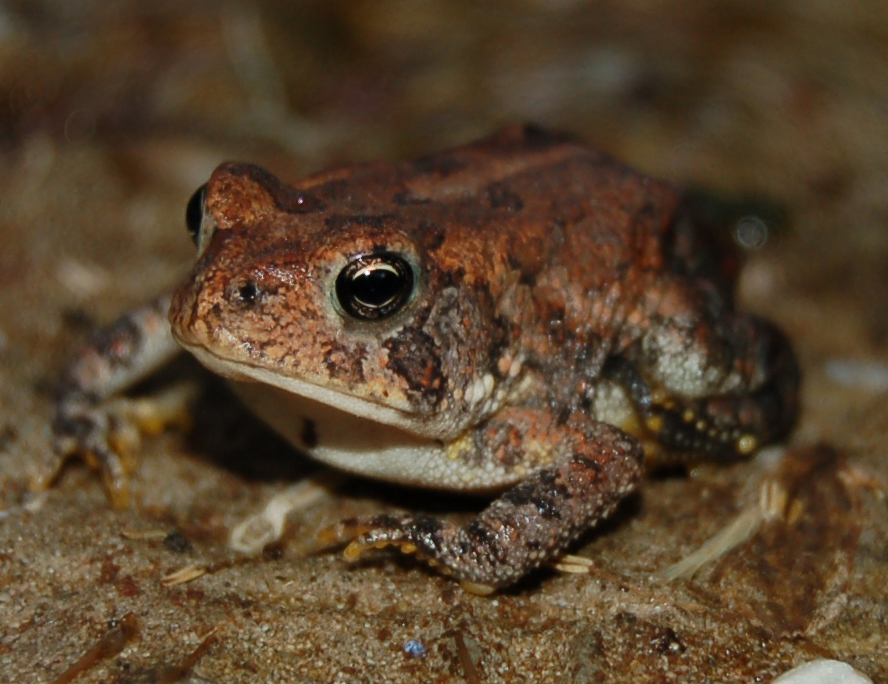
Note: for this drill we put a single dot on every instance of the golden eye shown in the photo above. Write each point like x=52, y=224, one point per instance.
x=374, y=286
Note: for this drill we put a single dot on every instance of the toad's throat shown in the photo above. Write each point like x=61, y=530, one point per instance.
x=352, y=433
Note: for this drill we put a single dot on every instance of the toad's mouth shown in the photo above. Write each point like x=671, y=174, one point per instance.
x=341, y=401
x=351, y=433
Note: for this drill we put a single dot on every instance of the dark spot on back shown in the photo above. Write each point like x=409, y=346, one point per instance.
x=501, y=196
x=337, y=222
x=406, y=198
x=297, y=202
x=439, y=165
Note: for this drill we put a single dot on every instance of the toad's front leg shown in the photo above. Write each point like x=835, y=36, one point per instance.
x=585, y=469
x=87, y=421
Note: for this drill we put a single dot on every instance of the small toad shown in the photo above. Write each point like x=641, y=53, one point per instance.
x=523, y=316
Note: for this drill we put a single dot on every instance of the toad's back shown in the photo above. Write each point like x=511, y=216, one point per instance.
x=540, y=199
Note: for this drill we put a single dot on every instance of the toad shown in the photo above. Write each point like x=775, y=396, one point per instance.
x=522, y=316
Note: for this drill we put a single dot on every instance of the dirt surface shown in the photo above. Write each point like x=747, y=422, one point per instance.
x=114, y=112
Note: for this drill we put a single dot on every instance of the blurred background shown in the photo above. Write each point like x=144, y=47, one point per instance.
x=113, y=112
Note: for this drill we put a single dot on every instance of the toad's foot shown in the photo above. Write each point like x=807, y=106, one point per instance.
x=530, y=524
x=105, y=430
x=108, y=435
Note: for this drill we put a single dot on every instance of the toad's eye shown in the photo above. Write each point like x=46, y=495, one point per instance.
x=194, y=212
x=374, y=286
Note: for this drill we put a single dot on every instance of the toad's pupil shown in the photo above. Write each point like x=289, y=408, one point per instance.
x=376, y=285
x=372, y=287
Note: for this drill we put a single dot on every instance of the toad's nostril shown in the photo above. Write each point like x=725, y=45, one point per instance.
x=248, y=293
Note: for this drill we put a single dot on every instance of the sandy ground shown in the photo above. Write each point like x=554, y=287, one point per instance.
x=113, y=113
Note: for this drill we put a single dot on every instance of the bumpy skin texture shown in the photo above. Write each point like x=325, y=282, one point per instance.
x=565, y=312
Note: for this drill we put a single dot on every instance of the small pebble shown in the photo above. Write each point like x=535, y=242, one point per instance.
x=414, y=649
x=823, y=672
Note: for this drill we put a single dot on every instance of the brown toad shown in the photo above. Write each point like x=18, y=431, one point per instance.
x=519, y=314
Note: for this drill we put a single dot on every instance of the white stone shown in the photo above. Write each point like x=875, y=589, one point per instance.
x=823, y=672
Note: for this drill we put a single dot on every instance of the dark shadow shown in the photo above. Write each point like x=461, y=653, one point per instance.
x=225, y=432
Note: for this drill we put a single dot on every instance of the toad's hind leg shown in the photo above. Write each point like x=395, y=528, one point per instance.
x=593, y=467
x=760, y=406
